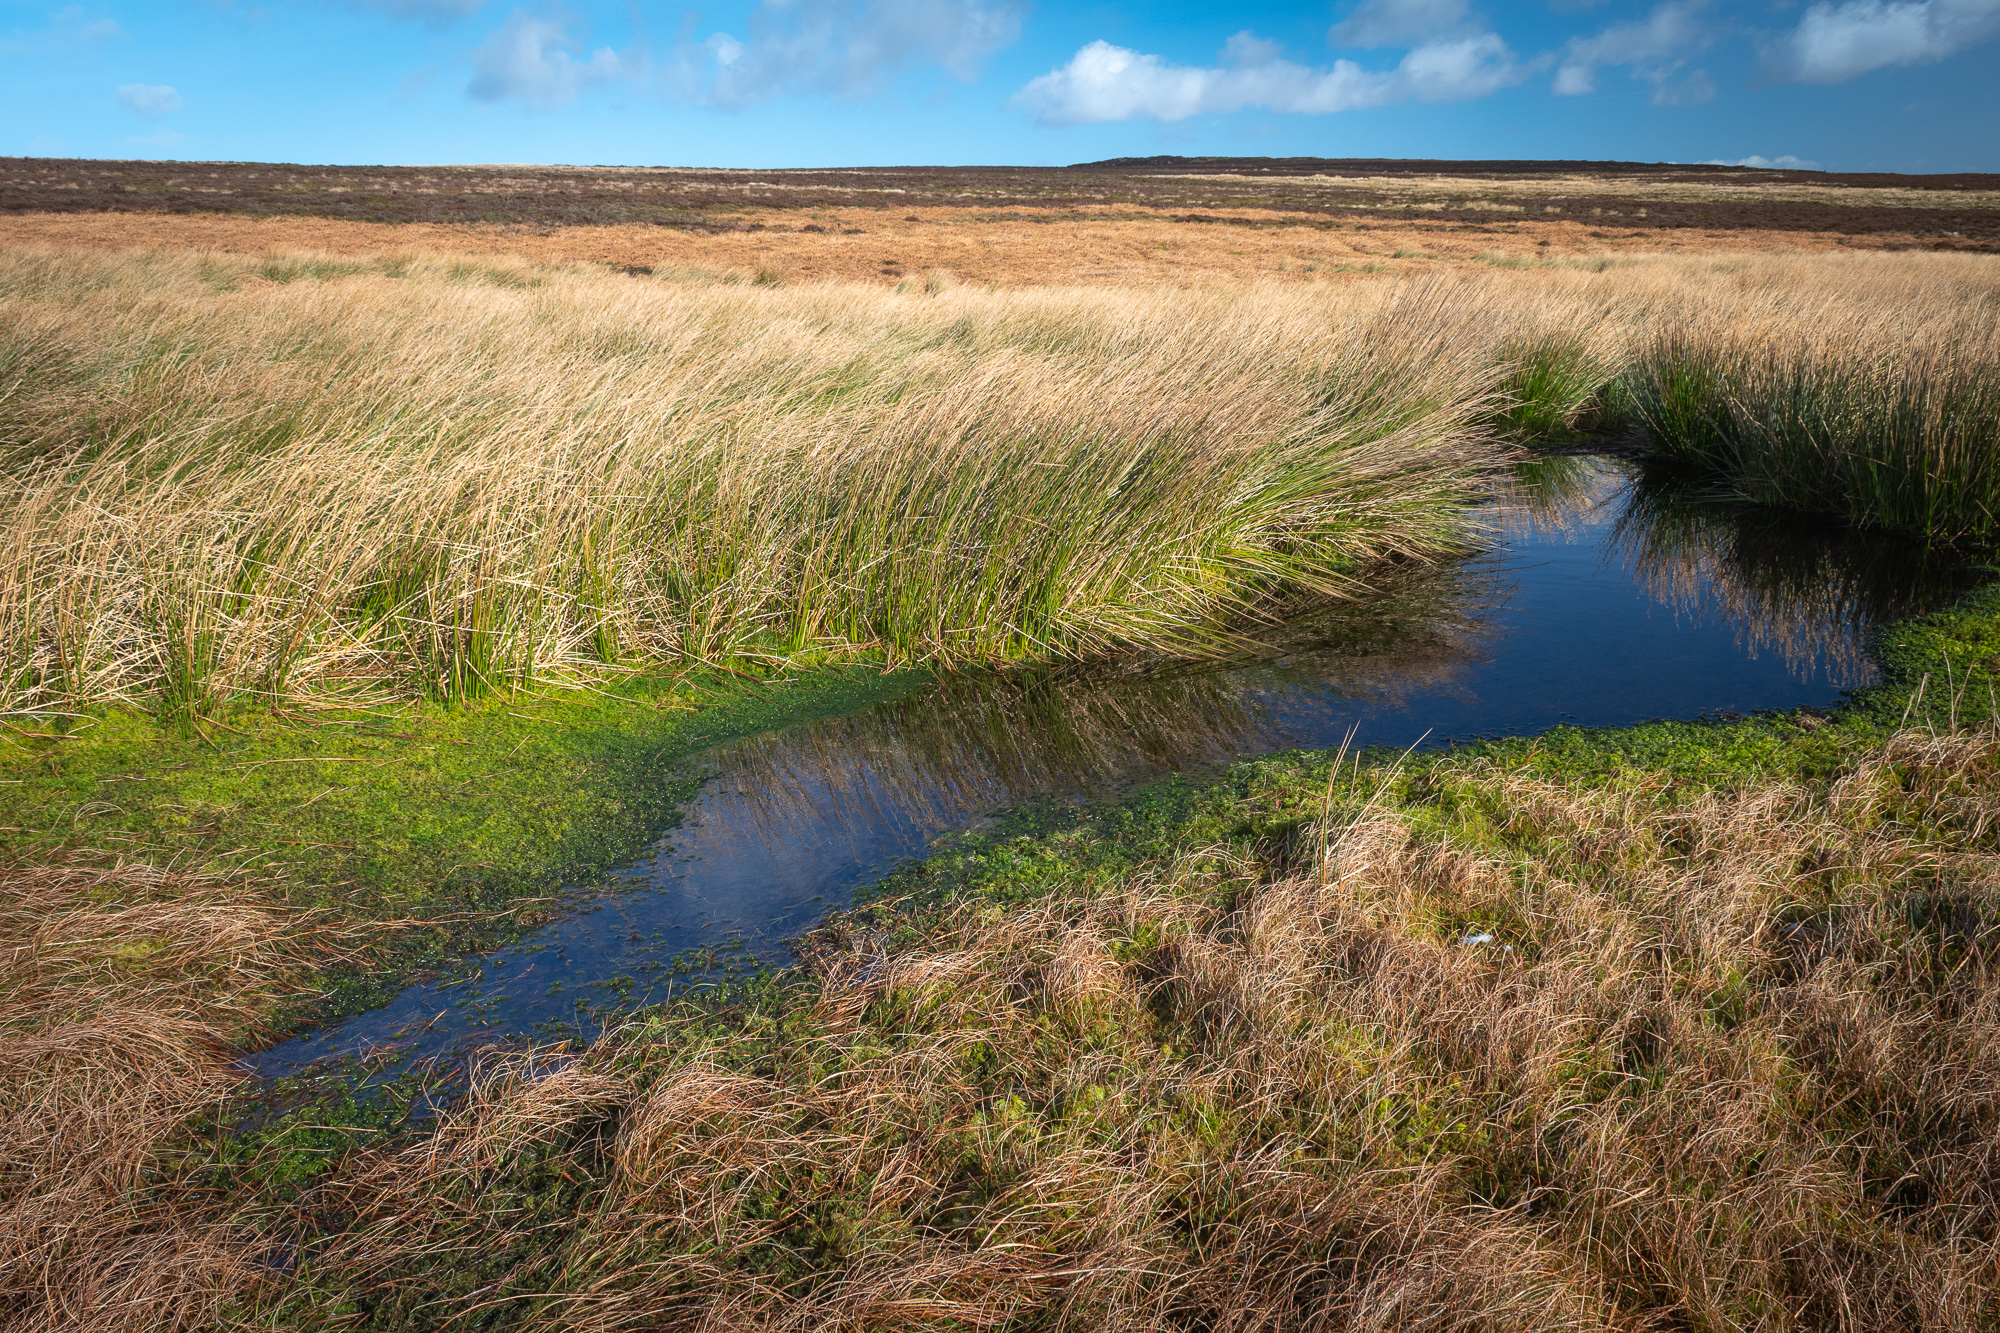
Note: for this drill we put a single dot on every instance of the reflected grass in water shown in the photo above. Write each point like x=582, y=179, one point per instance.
x=1785, y=583
x=974, y=742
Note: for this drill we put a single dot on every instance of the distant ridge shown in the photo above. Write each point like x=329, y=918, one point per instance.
x=1419, y=166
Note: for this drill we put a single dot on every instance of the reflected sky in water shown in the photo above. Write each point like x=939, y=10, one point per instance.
x=1608, y=598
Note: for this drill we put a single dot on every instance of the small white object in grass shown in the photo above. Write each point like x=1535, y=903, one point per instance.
x=1485, y=937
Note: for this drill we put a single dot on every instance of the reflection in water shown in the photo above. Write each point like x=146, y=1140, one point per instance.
x=1777, y=579
x=1609, y=598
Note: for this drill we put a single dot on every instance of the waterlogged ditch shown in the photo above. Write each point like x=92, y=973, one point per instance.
x=1608, y=598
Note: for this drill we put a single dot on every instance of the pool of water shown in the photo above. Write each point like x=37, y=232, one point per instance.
x=1607, y=598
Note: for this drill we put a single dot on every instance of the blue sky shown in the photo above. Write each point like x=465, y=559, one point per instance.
x=1850, y=85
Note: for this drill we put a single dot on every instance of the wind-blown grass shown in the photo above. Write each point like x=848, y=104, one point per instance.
x=1881, y=408
x=434, y=477
x=231, y=478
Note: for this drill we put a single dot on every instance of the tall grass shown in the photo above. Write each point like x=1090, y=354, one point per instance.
x=1879, y=407
x=437, y=477
x=231, y=478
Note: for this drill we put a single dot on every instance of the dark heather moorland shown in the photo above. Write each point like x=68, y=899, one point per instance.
x=1948, y=211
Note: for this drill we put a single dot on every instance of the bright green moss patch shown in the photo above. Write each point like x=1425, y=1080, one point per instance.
x=453, y=818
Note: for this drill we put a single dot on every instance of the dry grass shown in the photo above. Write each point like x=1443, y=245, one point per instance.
x=1560, y=1058
x=440, y=477
x=1026, y=247
x=237, y=481
x=124, y=992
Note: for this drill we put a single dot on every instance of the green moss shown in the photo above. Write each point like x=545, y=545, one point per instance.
x=455, y=820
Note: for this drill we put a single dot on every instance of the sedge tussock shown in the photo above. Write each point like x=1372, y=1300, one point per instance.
x=124, y=991
x=455, y=478
x=1571, y=1058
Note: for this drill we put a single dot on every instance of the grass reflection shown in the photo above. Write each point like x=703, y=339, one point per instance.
x=1810, y=592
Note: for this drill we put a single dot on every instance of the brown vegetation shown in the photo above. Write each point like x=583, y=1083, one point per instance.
x=1182, y=222
x=1015, y=250
x=1469, y=193
x=1478, y=1051
x=124, y=992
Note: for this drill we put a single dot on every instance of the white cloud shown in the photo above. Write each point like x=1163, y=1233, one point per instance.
x=1401, y=23
x=1835, y=42
x=838, y=48
x=151, y=100
x=1785, y=163
x=1655, y=47
x=536, y=62
x=67, y=28
x=1103, y=82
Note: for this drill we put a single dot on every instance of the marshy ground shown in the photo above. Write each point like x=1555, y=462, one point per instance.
x=361, y=578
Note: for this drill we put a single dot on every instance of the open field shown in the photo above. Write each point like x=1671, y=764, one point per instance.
x=1686, y=1026
x=1471, y=193
x=1178, y=222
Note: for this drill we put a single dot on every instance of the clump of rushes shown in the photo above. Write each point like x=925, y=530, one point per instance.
x=1472, y=1050
x=458, y=476
x=1871, y=422
x=1552, y=389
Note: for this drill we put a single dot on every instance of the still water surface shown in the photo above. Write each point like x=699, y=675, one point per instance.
x=1606, y=599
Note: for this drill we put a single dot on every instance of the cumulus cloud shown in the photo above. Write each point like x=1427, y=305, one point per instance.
x=1835, y=42
x=1103, y=82
x=1784, y=163
x=536, y=62
x=1401, y=23
x=151, y=100
x=838, y=48
x=1655, y=48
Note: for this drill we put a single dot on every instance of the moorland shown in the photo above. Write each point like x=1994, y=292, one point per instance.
x=1179, y=222
x=376, y=541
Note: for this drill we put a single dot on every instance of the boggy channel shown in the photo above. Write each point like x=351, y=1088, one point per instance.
x=1608, y=597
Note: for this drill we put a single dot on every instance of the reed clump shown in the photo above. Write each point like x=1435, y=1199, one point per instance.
x=1878, y=407
x=1480, y=1051
x=438, y=477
